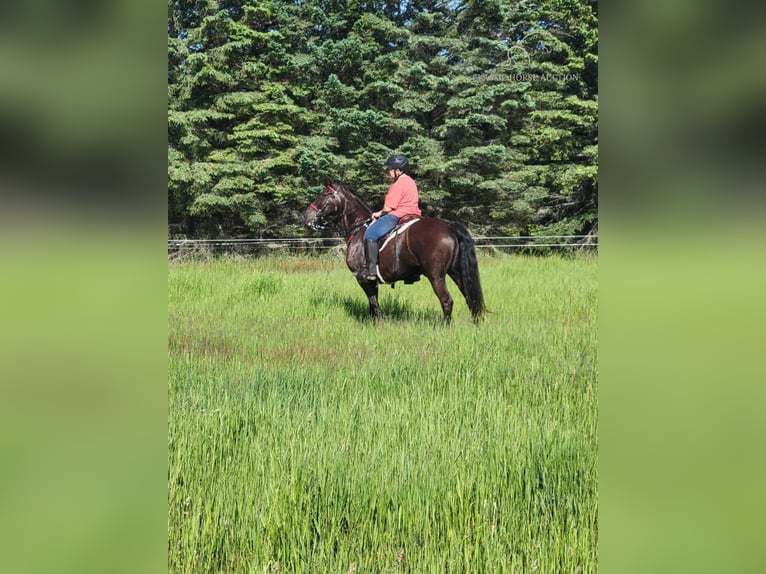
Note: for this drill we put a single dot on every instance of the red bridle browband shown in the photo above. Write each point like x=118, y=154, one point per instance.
x=329, y=188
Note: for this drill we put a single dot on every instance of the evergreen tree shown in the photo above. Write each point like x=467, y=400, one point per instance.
x=495, y=103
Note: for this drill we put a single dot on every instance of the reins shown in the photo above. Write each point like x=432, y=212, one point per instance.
x=355, y=228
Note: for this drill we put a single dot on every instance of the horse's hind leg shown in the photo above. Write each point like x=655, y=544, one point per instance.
x=440, y=288
x=458, y=279
x=455, y=275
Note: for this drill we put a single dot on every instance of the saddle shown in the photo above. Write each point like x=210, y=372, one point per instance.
x=404, y=222
x=405, y=218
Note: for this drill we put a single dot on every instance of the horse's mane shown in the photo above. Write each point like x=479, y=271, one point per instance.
x=354, y=193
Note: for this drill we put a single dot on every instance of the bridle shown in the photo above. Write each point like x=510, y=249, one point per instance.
x=320, y=221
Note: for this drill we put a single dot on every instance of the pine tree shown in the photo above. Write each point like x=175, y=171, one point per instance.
x=552, y=54
x=495, y=103
x=234, y=123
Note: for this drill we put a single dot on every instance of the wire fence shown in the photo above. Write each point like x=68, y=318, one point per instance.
x=182, y=248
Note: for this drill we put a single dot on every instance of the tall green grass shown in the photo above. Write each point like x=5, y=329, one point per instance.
x=305, y=438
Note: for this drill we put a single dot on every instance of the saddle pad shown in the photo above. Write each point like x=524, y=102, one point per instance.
x=395, y=231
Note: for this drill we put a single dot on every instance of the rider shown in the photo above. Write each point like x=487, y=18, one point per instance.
x=401, y=200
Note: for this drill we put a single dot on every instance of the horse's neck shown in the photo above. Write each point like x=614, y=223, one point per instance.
x=354, y=214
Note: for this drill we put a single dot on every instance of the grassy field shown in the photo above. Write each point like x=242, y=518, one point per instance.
x=305, y=438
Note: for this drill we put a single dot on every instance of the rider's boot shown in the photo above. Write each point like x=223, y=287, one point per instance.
x=369, y=272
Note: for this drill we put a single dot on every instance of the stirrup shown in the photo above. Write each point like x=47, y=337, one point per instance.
x=364, y=275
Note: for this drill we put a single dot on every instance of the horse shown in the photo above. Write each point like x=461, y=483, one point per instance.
x=429, y=246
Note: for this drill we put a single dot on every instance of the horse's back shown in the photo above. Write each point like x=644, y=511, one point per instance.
x=433, y=243
x=431, y=230
x=431, y=226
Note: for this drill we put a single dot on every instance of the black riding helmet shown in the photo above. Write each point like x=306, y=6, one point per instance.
x=396, y=161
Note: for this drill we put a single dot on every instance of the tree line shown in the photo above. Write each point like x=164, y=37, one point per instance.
x=495, y=103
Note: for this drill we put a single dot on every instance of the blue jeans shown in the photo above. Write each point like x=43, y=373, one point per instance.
x=380, y=227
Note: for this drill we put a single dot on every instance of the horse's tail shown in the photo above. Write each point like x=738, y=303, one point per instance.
x=468, y=268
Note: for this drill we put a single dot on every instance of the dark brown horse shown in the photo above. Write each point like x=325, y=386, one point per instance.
x=430, y=246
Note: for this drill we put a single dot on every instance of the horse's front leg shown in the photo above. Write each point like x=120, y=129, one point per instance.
x=371, y=290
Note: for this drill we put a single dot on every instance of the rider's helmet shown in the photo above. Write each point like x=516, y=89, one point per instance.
x=396, y=161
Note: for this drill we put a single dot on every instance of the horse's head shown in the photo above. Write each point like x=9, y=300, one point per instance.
x=326, y=205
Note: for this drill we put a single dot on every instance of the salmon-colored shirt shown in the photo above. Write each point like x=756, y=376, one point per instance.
x=402, y=197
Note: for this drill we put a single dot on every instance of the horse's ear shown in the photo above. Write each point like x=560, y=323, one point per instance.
x=328, y=180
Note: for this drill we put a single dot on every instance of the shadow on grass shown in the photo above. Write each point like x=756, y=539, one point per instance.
x=397, y=309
